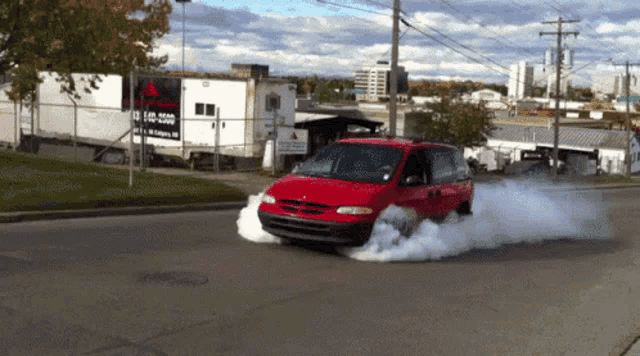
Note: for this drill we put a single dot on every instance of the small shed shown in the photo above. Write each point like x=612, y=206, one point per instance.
x=486, y=95
x=328, y=125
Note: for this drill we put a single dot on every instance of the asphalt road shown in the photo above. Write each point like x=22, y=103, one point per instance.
x=187, y=284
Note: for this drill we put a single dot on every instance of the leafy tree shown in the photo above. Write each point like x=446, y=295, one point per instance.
x=500, y=88
x=325, y=93
x=77, y=36
x=455, y=122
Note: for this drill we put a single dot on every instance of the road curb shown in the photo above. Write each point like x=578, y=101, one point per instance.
x=135, y=210
x=599, y=187
x=24, y=216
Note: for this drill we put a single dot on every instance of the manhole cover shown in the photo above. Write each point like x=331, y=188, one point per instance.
x=177, y=277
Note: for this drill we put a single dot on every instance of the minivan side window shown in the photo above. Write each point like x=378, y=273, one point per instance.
x=414, y=172
x=447, y=165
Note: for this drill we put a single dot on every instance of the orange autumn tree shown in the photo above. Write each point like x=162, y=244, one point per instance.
x=77, y=36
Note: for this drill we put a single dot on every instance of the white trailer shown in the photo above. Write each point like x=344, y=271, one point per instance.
x=91, y=123
x=196, y=119
x=192, y=119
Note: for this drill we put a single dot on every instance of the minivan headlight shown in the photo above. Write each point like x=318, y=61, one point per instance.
x=354, y=210
x=266, y=198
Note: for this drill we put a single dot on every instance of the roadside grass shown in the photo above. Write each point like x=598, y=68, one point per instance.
x=610, y=179
x=498, y=176
x=279, y=173
x=36, y=182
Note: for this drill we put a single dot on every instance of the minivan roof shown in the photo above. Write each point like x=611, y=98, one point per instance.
x=392, y=141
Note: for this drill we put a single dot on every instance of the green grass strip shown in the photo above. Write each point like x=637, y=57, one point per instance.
x=34, y=182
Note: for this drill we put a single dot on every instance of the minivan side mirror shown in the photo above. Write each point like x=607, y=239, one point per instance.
x=412, y=181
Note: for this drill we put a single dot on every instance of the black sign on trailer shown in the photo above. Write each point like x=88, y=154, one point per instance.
x=159, y=98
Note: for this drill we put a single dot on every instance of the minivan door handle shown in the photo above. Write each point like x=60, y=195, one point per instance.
x=436, y=193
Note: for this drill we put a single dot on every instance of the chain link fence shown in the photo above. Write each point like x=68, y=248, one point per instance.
x=98, y=133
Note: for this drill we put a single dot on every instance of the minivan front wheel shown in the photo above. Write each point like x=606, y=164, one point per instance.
x=464, y=208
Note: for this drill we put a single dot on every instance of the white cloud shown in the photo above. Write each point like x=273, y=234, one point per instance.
x=607, y=28
x=502, y=31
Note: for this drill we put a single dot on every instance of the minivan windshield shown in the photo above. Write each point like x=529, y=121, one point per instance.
x=358, y=162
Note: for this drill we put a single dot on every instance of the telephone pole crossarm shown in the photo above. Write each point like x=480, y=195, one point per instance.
x=575, y=33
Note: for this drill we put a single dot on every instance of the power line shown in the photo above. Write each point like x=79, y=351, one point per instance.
x=351, y=7
x=384, y=6
x=483, y=26
x=453, y=49
x=454, y=41
x=436, y=40
x=572, y=15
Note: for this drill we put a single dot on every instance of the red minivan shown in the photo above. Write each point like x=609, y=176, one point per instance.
x=337, y=194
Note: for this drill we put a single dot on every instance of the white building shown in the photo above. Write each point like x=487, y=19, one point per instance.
x=190, y=118
x=588, y=149
x=520, y=80
x=613, y=85
x=486, y=95
x=372, y=82
x=565, y=82
x=550, y=64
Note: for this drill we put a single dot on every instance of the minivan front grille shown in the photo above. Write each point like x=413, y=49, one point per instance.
x=304, y=207
x=303, y=228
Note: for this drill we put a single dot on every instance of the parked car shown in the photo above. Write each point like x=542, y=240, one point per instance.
x=337, y=194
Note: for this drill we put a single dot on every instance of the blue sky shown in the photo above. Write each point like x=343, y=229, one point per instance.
x=448, y=39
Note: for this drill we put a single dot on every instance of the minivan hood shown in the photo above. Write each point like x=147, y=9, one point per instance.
x=328, y=191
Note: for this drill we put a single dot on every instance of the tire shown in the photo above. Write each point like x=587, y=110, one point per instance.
x=464, y=209
x=113, y=157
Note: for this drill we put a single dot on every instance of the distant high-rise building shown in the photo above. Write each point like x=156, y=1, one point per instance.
x=608, y=84
x=565, y=83
x=372, y=82
x=550, y=65
x=520, y=81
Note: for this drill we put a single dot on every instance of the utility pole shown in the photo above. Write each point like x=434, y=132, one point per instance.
x=628, y=120
x=556, y=126
x=183, y=32
x=393, y=77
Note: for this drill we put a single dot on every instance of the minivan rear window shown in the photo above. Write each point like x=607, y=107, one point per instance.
x=357, y=162
x=448, y=166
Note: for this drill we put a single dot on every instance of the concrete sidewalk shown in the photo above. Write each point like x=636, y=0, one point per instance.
x=250, y=183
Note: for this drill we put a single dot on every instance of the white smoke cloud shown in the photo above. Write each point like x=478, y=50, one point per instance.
x=507, y=213
x=510, y=212
x=249, y=226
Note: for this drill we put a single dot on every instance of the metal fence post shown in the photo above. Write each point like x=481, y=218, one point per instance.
x=142, y=127
x=75, y=128
x=16, y=127
x=275, y=141
x=217, y=148
x=33, y=130
x=131, y=125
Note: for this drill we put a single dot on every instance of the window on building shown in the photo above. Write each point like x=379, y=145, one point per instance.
x=273, y=102
x=199, y=109
x=211, y=110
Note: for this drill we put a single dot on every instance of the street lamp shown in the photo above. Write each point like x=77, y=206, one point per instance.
x=183, y=2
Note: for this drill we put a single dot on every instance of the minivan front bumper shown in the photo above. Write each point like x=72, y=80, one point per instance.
x=339, y=233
